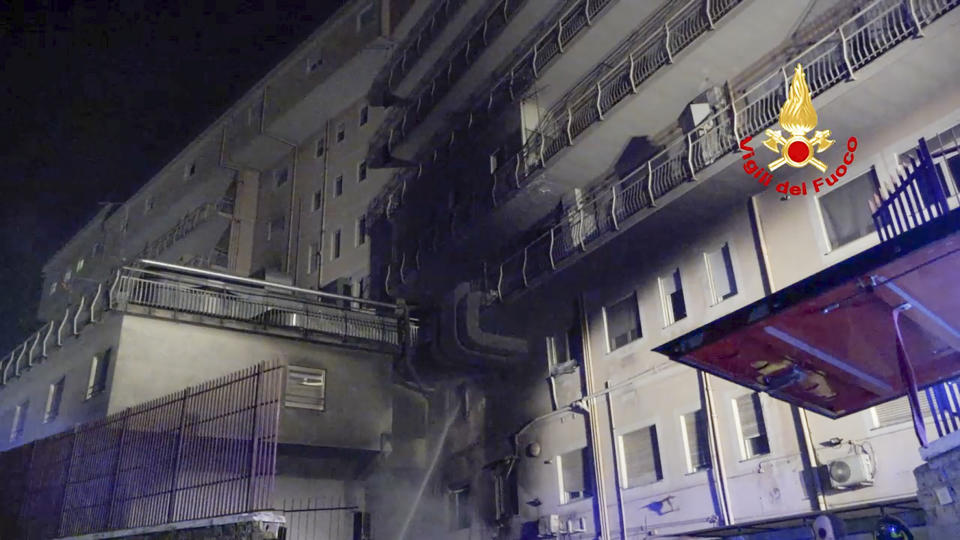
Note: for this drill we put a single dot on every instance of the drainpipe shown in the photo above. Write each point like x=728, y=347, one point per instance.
x=586, y=408
x=616, y=465
x=720, y=477
x=323, y=202
x=292, y=238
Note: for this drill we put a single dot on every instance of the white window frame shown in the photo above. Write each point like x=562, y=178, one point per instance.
x=362, y=171
x=669, y=317
x=54, y=396
x=19, y=420
x=360, y=234
x=53, y=288
x=686, y=436
x=363, y=116
x=80, y=264
x=313, y=257
x=745, y=454
x=622, y=454
x=606, y=324
x=564, y=494
x=715, y=297
x=95, y=367
x=336, y=244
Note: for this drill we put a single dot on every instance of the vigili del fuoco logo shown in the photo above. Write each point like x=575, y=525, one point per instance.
x=797, y=118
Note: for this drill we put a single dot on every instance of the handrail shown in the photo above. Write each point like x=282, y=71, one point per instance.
x=827, y=62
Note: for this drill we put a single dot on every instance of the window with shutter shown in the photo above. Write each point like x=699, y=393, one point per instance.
x=306, y=388
x=623, y=322
x=573, y=483
x=723, y=285
x=753, y=429
x=640, y=453
x=674, y=305
x=19, y=421
x=459, y=508
x=898, y=411
x=694, y=428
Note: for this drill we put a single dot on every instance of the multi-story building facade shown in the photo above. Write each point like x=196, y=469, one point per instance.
x=554, y=187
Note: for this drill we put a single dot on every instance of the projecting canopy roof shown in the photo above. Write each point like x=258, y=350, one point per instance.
x=828, y=343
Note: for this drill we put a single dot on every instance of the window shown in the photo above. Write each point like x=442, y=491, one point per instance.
x=189, y=170
x=365, y=17
x=313, y=257
x=80, y=265
x=99, y=367
x=695, y=439
x=67, y=275
x=723, y=285
x=364, y=115
x=341, y=132
x=54, y=396
x=640, y=454
x=314, y=62
x=148, y=205
x=317, y=201
x=846, y=213
x=623, y=322
x=565, y=347
x=459, y=508
x=898, y=411
x=306, y=388
x=573, y=479
x=753, y=430
x=671, y=290
x=53, y=287
x=280, y=176
x=362, y=171
x=335, y=252
x=361, y=230
x=275, y=227
x=321, y=146
x=338, y=186
x=97, y=250
x=19, y=421
x=496, y=158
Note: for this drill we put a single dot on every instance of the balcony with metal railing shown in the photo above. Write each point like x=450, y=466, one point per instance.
x=204, y=297
x=414, y=48
x=685, y=163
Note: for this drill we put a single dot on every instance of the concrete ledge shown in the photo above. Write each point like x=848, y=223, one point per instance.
x=941, y=446
x=268, y=523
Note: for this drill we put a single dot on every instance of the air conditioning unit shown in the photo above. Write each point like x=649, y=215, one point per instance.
x=851, y=471
x=548, y=526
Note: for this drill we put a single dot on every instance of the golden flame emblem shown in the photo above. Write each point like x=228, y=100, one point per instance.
x=798, y=117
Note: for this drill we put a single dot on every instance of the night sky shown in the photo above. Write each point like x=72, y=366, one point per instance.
x=95, y=97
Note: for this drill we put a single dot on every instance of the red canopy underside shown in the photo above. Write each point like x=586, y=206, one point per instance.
x=835, y=352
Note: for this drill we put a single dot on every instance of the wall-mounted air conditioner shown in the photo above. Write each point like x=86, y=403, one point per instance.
x=548, y=526
x=851, y=471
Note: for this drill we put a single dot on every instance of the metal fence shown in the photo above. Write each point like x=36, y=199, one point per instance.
x=206, y=451
x=917, y=198
x=875, y=29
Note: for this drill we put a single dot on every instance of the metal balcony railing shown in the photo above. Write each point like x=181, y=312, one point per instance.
x=184, y=226
x=857, y=41
x=636, y=64
x=447, y=72
x=419, y=40
x=266, y=304
x=181, y=290
x=605, y=88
